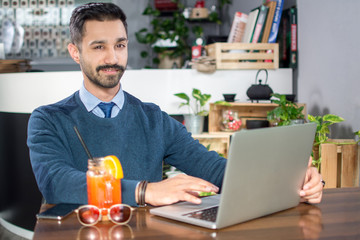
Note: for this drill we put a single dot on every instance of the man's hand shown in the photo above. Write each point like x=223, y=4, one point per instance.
x=312, y=189
x=179, y=188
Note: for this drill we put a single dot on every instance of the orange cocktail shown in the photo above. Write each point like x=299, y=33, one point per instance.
x=103, y=191
x=104, y=182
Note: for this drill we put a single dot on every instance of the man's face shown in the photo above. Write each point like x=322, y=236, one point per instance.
x=104, y=53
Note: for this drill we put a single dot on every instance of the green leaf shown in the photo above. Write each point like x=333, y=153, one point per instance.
x=198, y=31
x=149, y=38
x=276, y=101
x=148, y=10
x=183, y=96
x=282, y=98
x=326, y=125
x=311, y=118
x=144, y=54
x=182, y=104
x=214, y=17
x=223, y=103
x=196, y=93
x=141, y=36
x=204, y=99
x=332, y=118
x=156, y=60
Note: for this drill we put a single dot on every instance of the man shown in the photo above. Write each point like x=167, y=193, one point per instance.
x=139, y=134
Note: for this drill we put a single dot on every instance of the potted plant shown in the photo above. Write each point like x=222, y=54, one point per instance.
x=286, y=113
x=194, y=121
x=321, y=135
x=168, y=36
x=172, y=30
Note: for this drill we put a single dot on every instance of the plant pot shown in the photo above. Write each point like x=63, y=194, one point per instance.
x=194, y=123
x=167, y=62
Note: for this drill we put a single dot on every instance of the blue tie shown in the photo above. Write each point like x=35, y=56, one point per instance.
x=106, y=108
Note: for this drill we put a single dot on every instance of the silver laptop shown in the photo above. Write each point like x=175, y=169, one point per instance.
x=264, y=173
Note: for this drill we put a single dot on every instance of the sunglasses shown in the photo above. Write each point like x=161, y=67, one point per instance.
x=89, y=215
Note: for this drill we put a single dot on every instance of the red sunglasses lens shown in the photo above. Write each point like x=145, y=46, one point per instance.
x=120, y=214
x=89, y=215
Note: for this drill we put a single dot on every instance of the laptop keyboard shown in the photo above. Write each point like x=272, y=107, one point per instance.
x=208, y=214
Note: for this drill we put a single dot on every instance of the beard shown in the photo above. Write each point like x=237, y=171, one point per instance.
x=100, y=80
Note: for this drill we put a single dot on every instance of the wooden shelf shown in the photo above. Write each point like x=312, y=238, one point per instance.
x=14, y=65
x=218, y=141
x=340, y=163
x=244, y=55
x=245, y=111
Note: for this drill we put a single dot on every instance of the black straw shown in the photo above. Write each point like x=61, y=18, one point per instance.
x=83, y=143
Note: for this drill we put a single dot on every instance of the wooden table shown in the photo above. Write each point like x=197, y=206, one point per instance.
x=337, y=217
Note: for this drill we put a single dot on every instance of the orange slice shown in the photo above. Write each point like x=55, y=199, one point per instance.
x=112, y=164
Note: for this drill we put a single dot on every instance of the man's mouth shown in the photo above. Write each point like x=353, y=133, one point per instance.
x=110, y=69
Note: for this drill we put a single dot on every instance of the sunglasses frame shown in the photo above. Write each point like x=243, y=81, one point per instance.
x=101, y=215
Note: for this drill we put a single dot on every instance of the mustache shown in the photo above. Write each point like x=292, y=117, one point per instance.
x=115, y=66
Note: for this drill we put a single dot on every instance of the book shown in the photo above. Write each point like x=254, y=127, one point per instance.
x=269, y=20
x=284, y=40
x=276, y=21
x=250, y=25
x=238, y=26
x=293, y=37
x=260, y=24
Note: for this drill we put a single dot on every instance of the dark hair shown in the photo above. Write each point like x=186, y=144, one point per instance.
x=93, y=11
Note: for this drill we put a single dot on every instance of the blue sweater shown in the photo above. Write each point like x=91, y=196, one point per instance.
x=141, y=136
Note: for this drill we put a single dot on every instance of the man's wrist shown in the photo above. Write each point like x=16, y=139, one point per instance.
x=140, y=193
x=136, y=192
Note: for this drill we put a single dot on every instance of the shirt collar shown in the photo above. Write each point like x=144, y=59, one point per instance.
x=91, y=102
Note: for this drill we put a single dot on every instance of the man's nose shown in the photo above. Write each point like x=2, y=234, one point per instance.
x=111, y=57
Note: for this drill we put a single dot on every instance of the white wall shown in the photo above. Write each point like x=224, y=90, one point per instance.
x=23, y=92
x=329, y=61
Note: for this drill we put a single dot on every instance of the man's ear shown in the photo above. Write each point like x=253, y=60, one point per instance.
x=74, y=52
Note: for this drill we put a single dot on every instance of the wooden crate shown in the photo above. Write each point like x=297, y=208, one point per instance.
x=340, y=164
x=245, y=111
x=14, y=65
x=244, y=55
x=218, y=142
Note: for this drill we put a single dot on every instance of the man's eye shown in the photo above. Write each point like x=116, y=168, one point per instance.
x=120, y=45
x=98, y=47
